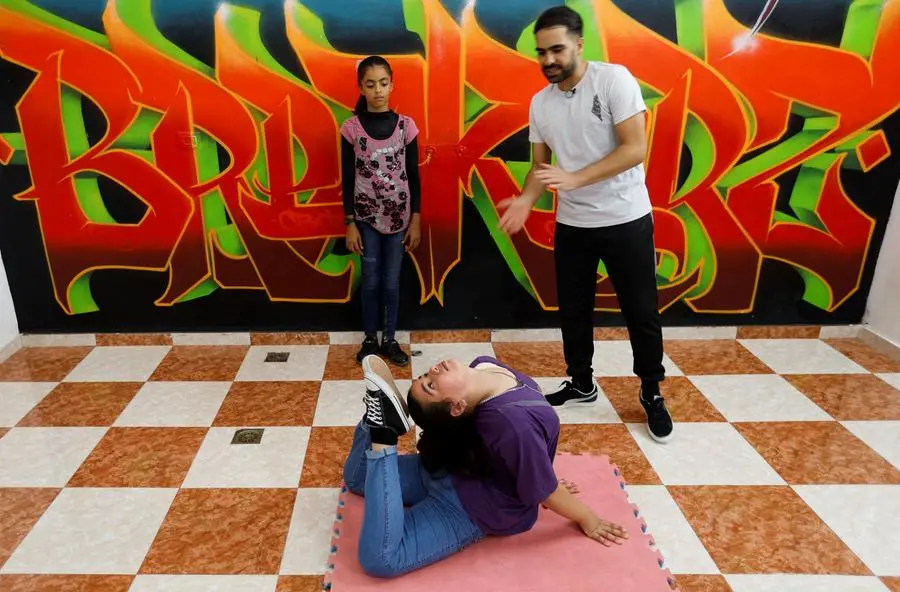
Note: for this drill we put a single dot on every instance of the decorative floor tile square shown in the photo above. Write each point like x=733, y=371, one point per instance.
x=93, y=531
x=801, y=356
x=865, y=355
x=758, y=397
x=340, y=403
x=119, y=364
x=275, y=462
x=850, y=396
x=763, y=530
x=714, y=357
x=705, y=454
x=803, y=583
x=140, y=457
x=818, y=452
x=614, y=441
x=325, y=456
x=684, y=402
x=289, y=339
x=458, y=336
x=778, y=332
x=223, y=531
x=892, y=378
x=73, y=404
x=437, y=352
x=534, y=358
x=682, y=550
x=18, y=398
x=306, y=362
x=882, y=436
x=44, y=457
x=517, y=335
x=48, y=583
x=311, y=531
x=601, y=411
x=114, y=339
x=42, y=364
x=174, y=404
x=614, y=358
x=147, y=583
x=702, y=583
x=20, y=509
x=300, y=584
x=893, y=584
x=187, y=363
x=866, y=517
x=269, y=404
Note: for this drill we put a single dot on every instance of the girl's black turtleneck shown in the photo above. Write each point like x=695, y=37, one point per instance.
x=379, y=126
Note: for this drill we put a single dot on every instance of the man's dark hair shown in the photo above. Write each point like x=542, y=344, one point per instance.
x=560, y=16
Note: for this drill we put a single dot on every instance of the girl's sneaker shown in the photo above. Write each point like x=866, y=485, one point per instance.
x=387, y=416
x=393, y=352
x=369, y=347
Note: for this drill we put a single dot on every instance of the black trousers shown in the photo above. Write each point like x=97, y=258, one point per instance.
x=629, y=253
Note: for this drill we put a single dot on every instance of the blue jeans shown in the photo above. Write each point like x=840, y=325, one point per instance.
x=380, y=292
x=395, y=540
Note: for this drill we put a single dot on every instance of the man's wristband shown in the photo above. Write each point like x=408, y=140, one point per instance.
x=348, y=220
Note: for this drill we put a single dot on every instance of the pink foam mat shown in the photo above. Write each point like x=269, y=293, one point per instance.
x=554, y=555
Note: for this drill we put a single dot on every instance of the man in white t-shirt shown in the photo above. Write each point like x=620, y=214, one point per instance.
x=592, y=117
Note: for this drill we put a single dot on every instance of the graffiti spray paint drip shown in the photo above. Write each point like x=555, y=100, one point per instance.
x=744, y=41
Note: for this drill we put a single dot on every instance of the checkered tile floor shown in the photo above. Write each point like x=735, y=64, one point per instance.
x=117, y=470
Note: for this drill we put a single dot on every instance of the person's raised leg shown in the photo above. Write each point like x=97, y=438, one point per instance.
x=412, y=474
x=576, y=263
x=629, y=253
x=370, y=288
x=392, y=261
x=393, y=540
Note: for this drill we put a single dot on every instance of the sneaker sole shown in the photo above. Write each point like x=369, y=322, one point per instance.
x=660, y=439
x=582, y=401
x=377, y=377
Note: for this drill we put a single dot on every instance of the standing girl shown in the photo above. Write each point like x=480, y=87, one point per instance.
x=380, y=163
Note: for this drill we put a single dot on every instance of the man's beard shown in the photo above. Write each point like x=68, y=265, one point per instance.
x=560, y=74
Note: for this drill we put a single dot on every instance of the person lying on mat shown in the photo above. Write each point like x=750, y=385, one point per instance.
x=484, y=467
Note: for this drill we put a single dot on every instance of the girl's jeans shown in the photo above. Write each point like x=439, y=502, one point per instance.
x=380, y=290
x=395, y=540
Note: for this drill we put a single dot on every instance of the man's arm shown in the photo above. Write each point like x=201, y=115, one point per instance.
x=631, y=151
x=533, y=188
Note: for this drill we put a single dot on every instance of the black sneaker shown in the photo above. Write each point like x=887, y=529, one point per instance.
x=659, y=422
x=569, y=395
x=393, y=352
x=369, y=347
x=386, y=413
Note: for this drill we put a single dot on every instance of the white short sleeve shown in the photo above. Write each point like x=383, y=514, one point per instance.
x=534, y=132
x=625, y=98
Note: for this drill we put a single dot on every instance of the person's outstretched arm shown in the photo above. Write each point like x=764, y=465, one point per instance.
x=570, y=507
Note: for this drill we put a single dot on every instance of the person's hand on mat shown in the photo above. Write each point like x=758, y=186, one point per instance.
x=556, y=178
x=354, y=239
x=604, y=532
x=571, y=487
x=517, y=211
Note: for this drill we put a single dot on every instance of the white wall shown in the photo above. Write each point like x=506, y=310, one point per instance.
x=883, y=309
x=9, y=327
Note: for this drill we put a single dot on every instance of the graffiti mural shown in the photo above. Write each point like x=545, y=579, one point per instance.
x=211, y=160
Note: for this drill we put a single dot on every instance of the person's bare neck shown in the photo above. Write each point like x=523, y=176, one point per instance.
x=489, y=381
x=570, y=82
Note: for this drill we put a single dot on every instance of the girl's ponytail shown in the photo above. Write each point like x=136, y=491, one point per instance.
x=361, y=105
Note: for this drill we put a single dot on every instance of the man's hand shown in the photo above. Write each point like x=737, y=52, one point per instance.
x=517, y=212
x=605, y=533
x=413, y=233
x=556, y=178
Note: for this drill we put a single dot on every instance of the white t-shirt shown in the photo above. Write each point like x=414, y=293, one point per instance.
x=580, y=130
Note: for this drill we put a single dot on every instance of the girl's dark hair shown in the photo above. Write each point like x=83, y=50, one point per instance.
x=449, y=443
x=560, y=16
x=361, y=69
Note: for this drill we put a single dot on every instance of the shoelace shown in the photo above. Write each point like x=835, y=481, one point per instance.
x=373, y=410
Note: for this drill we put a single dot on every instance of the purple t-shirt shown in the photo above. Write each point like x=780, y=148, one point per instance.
x=520, y=433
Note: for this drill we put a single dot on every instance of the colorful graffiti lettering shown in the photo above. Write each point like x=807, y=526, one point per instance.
x=268, y=217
